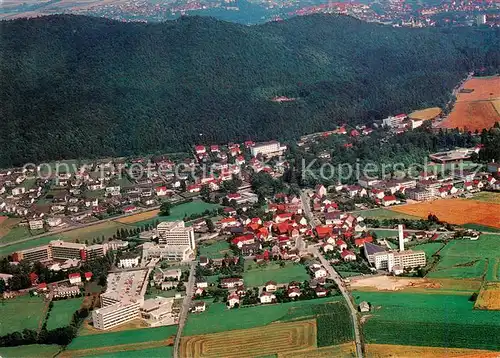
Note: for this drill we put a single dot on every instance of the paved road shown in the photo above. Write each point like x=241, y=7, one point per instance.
x=186, y=304
x=340, y=283
x=306, y=205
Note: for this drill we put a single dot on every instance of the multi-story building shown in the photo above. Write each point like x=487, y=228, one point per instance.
x=36, y=224
x=419, y=194
x=40, y=253
x=113, y=315
x=129, y=261
x=175, y=233
x=267, y=149
x=394, y=121
x=61, y=250
x=67, y=250
x=63, y=291
x=93, y=252
x=167, y=252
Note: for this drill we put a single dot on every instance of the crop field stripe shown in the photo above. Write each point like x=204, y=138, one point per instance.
x=252, y=342
x=117, y=348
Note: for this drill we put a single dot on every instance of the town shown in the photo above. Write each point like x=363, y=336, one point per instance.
x=162, y=241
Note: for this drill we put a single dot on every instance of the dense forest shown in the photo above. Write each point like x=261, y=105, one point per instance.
x=74, y=86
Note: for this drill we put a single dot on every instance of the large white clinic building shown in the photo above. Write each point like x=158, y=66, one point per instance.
x=175, y=233
x=267, y=149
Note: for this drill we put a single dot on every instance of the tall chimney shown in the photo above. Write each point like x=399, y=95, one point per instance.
x=401, y=238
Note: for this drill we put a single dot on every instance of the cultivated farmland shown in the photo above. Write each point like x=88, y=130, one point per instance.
x=254, y=342
x=489, y=297
x=146, y=215
x=382, y=214
x=456, y=211
x=162, y=351
x=217, y=318
x=428, y=320
x=31, y=350
x=475, y=110
x=392, y=350
x=341, y=350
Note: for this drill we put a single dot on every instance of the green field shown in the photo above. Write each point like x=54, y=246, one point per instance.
x=20, y=313
x=258, y=275
x=429, y=320
x=32, y=350
x=178, y=212
x=481, y=227
x=487, y=196
x=383, y=214
x=383, y=233
x=6, y=250
x=466, y=258
x=493, y=271
x=16, y=233
x=217, y=318
x=106, y=229
x=429, y=248
x=62, y=312
x=215, y=250
x=164, y=352
x=123, y=337
x=458, y=267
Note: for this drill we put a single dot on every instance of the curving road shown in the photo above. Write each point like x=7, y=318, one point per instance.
x=186, y=304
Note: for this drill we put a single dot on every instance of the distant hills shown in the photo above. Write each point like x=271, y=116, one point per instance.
x=74, y=86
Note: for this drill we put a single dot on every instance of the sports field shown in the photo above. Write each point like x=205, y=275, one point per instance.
x=456, y=211
x=20, y=313
x=273, y=338
x=417, y=319
x=489, y=297
x=217, y=318
x=426, y=114
x=95, y=341
x=476, y=110
x=62, y=312
x=258, y=275
x=32, y=350
x=215, y=250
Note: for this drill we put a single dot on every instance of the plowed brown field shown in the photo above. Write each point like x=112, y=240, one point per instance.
x=476, y=110
x=456, y=211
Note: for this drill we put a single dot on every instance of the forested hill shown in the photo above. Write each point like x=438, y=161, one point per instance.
x=74, y=86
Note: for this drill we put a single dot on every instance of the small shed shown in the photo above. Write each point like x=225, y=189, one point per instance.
x=364, y=307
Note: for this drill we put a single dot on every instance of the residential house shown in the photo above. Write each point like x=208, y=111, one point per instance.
x=271, y=286
x=75, y=278
x=267, y=297
x=348, y=255
x=233, y=299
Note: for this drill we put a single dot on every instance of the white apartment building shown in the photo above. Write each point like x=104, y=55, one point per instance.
x=36, y=224
x=113, y=315
x=394, y=121
x=268, y=149
x=175, y=233
x=167, y=252
x=129, y=262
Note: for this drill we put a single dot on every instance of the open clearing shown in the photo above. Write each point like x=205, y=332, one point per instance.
x=426, y=114
x=253, y=342
x=20, y=313
x=475, y=110
x=177, y=212
x=489, y=297
x=468, y=258
x=258, y=275
x=487, y=196
x=131, y=337
x=62, y=312
x=431, y=320
x=456, y=211
x=429, y=248
x=215, y=250
x=415, y=284
x=382, y=214
x=162, y=351
x=32, y=350
x=391, y=350
x=106, y=229
x=139, y=217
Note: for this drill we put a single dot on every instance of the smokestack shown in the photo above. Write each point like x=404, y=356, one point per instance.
x=401, y=238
